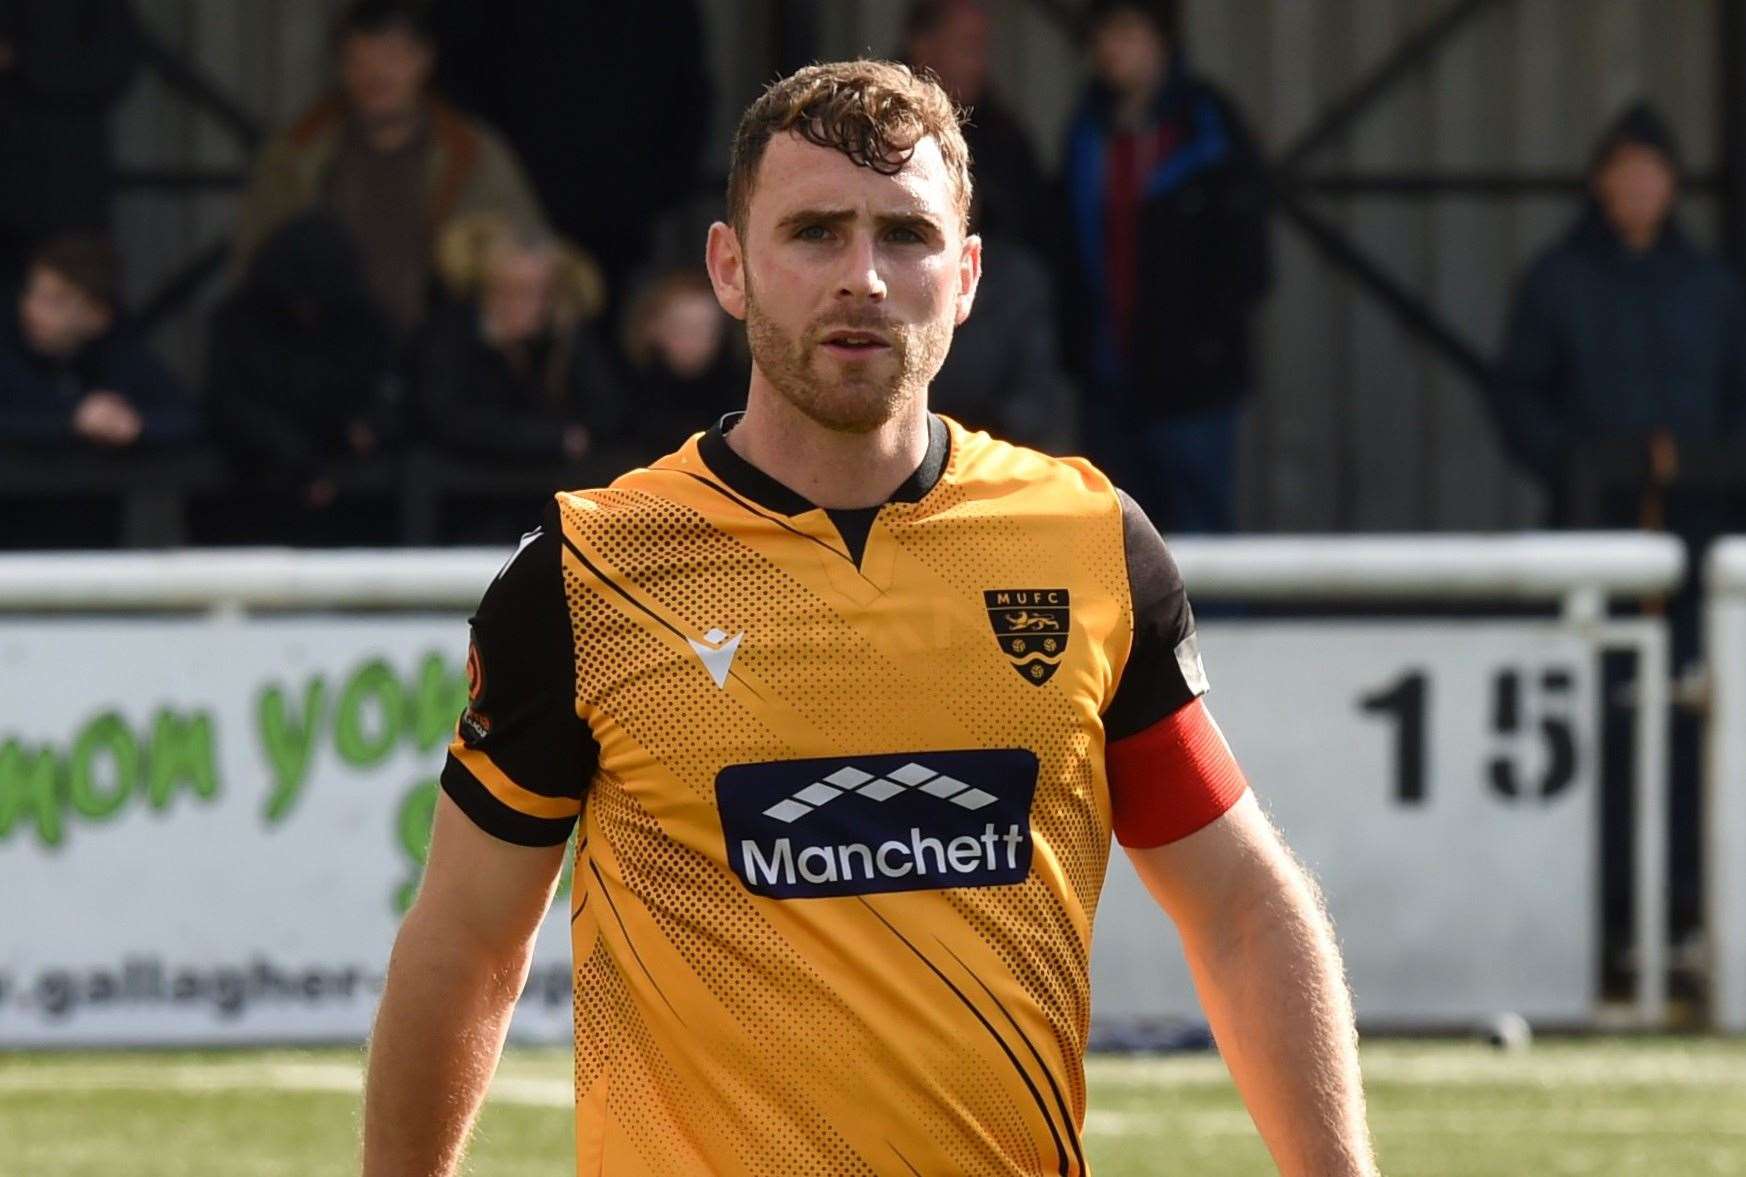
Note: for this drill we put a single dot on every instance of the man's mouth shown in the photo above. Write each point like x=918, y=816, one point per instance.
x=856, y=343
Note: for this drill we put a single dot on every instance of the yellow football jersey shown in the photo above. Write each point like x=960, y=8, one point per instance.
x=844, y=813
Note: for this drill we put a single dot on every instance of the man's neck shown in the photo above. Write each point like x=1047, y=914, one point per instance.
x=832, y=469
x=1133, y=108
x=1640, y=239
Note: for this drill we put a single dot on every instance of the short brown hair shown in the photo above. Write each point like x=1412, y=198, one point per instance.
x=874, y=112
x=86, y=260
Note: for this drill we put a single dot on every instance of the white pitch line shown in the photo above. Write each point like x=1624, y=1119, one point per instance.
x=332, y=1078
x=1464, y=1068
x=1589, y=1121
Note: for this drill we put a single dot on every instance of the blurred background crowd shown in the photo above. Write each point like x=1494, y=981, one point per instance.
x=470, y=271
x=1316, y=266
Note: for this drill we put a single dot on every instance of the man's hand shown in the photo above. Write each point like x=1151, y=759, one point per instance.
x=1269, y=977
x=459, y=964
x=106, y=418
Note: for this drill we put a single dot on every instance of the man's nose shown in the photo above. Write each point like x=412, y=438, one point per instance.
x=861, y=277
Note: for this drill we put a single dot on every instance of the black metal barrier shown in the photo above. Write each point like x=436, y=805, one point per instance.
x=155, y=494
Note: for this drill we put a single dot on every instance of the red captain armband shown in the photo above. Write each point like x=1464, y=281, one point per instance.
x=1171, y=779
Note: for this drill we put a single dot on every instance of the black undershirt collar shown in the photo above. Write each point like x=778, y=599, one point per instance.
x=853, y=524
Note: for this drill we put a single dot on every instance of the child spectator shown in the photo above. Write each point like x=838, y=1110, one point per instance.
x=689, y=368
x=71, y=374
x=511, y=370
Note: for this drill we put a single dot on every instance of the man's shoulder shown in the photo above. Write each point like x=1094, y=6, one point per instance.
x=986, y=467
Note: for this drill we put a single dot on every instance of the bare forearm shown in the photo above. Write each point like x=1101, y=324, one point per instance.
x=438, y=1035
x=1275, y=992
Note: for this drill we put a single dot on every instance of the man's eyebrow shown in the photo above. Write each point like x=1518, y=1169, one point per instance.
x=841, y=216
x=907, y=221
x=816, y=216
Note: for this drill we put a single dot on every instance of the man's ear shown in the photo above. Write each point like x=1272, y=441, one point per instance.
x=727, y=269
x=969, y=276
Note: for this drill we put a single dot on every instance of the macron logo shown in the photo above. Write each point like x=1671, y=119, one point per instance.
x=716, y=651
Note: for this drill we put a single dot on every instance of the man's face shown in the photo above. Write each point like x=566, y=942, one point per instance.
x=57, y=318
x=850, y=282
x=385, y=73
x=1127, y=54
x=1636, y=189
x=957, y=51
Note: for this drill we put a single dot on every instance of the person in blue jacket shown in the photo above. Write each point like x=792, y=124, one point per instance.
x=1168, y=201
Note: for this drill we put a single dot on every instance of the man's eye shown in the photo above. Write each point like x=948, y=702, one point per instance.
x=813, y=233
x=905, y=236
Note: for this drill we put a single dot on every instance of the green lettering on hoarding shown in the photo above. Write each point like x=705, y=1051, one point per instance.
x=360, y=746
x=289, y=742
x=104, y=738
x=181, y=753
x=439, y=695
x=28, y=779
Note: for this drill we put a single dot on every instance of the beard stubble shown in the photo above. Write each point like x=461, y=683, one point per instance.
x=854, y=402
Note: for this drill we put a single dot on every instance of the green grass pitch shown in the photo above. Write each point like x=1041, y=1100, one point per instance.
x=1618, y=1108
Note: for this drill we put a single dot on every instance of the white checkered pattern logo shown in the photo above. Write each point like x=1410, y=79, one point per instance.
x=850, y=779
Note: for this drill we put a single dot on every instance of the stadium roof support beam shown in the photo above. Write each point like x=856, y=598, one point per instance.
x=1397, y=68
x=1290, y=187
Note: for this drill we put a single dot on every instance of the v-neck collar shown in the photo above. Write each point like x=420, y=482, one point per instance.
x=749, y=482
x=854, y=524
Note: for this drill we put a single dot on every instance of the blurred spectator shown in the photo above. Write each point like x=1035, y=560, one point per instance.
x=1626, y=330
x=511, y=369
x=300, y=388
x=578, y=88
x=1004, y=371
x=1624, y=327
x=393, y=162
x=950, y=37
x=64, y=64
x=70, y=373
x=690, y=367
x=1169, y=220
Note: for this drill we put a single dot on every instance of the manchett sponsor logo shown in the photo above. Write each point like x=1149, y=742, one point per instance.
x=852, y=861
x=815, y=828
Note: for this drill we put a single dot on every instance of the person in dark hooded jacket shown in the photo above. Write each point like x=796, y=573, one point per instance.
x=1170, y=229
x=1624, y=328
x=301, y=384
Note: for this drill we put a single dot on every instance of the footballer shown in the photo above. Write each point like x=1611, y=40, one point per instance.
x=846, y=705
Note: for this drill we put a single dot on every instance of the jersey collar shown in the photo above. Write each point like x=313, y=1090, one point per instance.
x=749, y=482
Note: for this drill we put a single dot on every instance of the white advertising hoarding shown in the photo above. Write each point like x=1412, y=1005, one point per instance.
x=1725, y=798
x=210, y=828
x=1440, y=780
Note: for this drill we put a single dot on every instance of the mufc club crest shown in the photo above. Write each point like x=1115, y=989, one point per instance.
x=1031, y=626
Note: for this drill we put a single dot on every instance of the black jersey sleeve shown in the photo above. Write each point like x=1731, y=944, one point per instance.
x=1163, y=671
x=522, y=756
